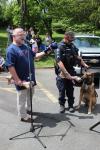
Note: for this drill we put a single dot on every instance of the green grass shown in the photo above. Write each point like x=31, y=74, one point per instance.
x=3, y=41
x=46, y=61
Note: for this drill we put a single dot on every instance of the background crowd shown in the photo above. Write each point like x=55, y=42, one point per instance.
x=38, y=44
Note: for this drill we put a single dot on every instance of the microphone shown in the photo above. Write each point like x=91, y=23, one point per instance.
x=52, y=46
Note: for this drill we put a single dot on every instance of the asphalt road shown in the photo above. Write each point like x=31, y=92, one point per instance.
x=60, y=131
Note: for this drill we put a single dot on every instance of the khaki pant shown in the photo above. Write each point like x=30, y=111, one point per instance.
x=23, y=102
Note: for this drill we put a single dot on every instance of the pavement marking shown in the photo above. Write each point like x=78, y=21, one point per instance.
x=42, y=88
x=4, y=77
x=8, y=89
x=47, y=93
x=4, y=81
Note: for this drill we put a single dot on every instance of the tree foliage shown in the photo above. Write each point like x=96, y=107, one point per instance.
x=48, y=15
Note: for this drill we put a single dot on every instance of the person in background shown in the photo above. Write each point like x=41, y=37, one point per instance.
x=39, y=41
x=48, y=39
x=34, y=45
x=2, y=64
x=9, y=31
x=31, y=31
x=28, y=37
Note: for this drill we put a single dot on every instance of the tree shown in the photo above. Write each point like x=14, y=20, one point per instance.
x=23, y=11
x=78, y=15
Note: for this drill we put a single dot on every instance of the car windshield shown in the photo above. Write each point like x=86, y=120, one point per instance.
x=87, y=42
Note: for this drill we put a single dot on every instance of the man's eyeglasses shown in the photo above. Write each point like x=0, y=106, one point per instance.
x=20, y=34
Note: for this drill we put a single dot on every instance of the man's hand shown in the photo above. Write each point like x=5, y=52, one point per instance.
x=48, y=50
x=51, y=47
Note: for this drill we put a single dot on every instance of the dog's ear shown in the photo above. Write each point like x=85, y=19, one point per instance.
x=84, y=75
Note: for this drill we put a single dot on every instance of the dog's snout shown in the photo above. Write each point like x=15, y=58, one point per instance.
x=87, y=80
x=82, y=78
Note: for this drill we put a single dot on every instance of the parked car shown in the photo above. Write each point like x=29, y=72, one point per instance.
x=89, y=50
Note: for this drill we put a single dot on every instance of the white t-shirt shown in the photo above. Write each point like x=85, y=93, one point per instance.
x=2, y=61
x=35, y=47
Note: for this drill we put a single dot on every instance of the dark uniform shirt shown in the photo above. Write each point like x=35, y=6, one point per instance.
x=67, y=53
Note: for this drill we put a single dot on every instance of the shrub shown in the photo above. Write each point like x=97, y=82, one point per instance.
x=59, y=27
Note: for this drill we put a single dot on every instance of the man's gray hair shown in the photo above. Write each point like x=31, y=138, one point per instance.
x=17, y=30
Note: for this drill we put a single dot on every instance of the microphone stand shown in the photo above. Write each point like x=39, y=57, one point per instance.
x=95, y=125
x=33, y=127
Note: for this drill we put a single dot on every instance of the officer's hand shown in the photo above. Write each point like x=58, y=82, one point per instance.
x=76, y=78
x=86, y=66
x=68, y=76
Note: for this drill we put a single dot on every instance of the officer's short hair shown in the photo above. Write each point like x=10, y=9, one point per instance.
x=69, y=33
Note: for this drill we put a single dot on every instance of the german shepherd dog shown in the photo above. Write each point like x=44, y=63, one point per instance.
x=87, y=92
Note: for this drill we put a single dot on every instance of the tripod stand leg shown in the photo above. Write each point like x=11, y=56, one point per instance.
x=35, y=136
x=18, y=135
x=34, y=127
x=94, y=125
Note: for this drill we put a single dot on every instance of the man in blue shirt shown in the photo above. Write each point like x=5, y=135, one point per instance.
x=18, y=58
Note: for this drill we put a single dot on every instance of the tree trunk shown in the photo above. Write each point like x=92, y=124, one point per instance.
x=23, y=11
x=48, y=25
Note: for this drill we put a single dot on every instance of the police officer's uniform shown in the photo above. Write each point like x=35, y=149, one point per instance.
x=66, y=53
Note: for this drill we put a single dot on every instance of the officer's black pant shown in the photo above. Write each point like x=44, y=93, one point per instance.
x=65, y=88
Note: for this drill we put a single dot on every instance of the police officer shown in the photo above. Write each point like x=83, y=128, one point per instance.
x=66, y=56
